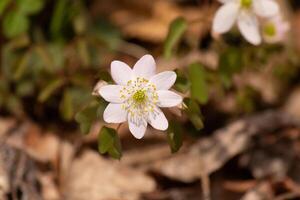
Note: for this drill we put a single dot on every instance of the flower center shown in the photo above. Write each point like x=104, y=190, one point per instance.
x=246, y=3
x=270, y=29
x=140, y=99
x=139, y=96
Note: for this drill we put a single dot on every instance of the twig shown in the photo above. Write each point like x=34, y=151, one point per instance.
x=205, y=181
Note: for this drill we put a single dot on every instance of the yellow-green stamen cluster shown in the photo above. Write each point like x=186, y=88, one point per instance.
x=270, y=29
x=139, y=96
x=246, y=3
x=140, y=99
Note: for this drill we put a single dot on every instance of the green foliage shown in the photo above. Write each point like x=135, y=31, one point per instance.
x=175, y=134
x=52, y=56
x=87, y=116
x=49, y=89
x=15, y=23
x=176, y=31
x=29, y=7
x=67, y=106
x=59, y=17
x=109, y=142
x=3, y=5
x=194, y=113
x=231, y=62
x=52, y=67
x=199, y=89
x=182, y=82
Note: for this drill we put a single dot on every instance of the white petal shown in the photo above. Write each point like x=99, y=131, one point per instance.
x=248, y=25
x=265, y=8
x=137, y=127
x=164, y=80
x=225, y=17
x=168, y=98
x=225, y=1
x=158, y=120
x=120, y=72
x=114, y=113
x=145, y=67
x=111, y=93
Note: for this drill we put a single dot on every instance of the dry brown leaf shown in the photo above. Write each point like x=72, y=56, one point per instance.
x=292, y=105
x=153, y=27
x=6, y=124
x=262, y=191
x=4, y=182
x=296, y=30
x=225, y=143
x=48, y=186
x=95, y=178
x=41, y=146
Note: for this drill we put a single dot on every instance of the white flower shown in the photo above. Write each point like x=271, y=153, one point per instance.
x=245, y=13
x=275, y=29
x=138, y=95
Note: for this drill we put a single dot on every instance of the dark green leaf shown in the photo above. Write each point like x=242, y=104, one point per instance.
x=14, y=24
x=50, y=89
x=176, y=31
x=175, y=136
x=106, y=139
x=109, y=142
x=199, y=90
x=182, y=82
x=194, y=113
x=87, y=116
x=230, y=63
x=59, y=17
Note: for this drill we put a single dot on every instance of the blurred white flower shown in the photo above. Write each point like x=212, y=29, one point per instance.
x=245, y=13
x=275, y=29
x=138, y=95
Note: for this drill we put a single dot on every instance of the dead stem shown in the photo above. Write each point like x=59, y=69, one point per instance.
x=205, y=181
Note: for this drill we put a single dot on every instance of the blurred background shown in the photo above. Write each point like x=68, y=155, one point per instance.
x=237, y=135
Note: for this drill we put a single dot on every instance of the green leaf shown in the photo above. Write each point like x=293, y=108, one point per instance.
x=107, y=33
x=194, y=113
x=50, y=89
x=175, y=136
x=109, y=142
x=230, y=62
x=25, y=88
x=30, y=6
x=22, y=66
x=199, y=90
x=59, y=17
x=14, y=24
x=176, y=31
x=182, y=82
x=66, y=106
x=87, y=116
x=3, y=5
x=83, y=52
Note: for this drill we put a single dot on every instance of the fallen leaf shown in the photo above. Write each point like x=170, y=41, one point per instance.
x=95, y=178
